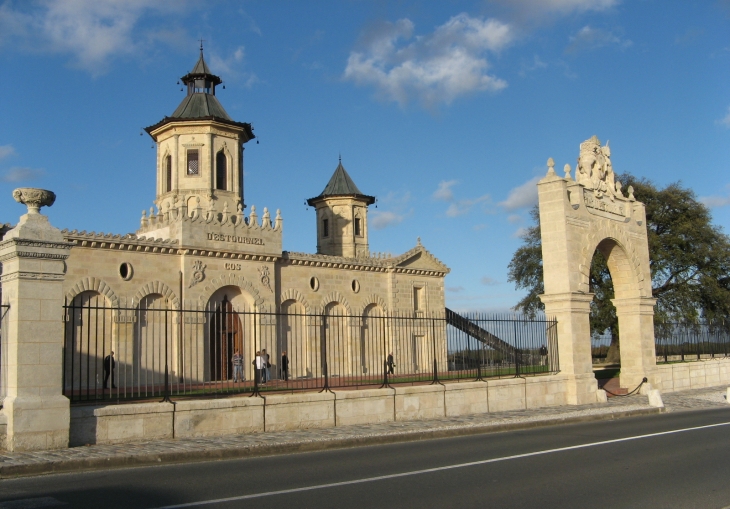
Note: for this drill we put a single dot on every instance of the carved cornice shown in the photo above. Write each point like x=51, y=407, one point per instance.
x=128, y=242
x=363, y=264
x=33, y=276
x=33, y=254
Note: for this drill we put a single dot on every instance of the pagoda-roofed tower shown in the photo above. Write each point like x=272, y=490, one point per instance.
x=200, y=176
x=200, y=148
x=342, y=217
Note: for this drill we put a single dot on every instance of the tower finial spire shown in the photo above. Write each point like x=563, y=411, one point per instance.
x=201, y=44
x=340, y=157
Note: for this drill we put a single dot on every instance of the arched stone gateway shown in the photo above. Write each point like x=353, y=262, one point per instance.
x=578, y=217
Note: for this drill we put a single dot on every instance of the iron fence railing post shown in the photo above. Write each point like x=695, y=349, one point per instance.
x=325, y=373
x=166, y=398
x=257, y=358
x=517, y=353
x=435, y=362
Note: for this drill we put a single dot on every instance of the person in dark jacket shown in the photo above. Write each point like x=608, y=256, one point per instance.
x=109, y=365
x=284, y=366
x=390, y=363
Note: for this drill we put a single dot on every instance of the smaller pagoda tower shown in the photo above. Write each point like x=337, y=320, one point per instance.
x=342, y=217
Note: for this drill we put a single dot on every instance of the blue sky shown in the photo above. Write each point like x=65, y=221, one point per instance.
x=445, y=110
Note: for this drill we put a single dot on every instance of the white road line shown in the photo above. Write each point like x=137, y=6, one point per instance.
x=436, y=469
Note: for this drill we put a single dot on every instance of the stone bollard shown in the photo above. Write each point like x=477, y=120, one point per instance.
x=655, y=398
x=727, y=396
x=32, y=254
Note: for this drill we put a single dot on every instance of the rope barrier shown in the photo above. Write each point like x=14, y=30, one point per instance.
x=630, y=393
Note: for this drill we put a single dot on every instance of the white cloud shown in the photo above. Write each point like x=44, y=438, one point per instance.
x=723, y=121
x=397, y=202
x=522, y=196
x=536, y=64
x=455, y=289
x=479, y=227
x=536, y=12
x=6, y=151
x=231, y=66
x=19, y=174
x=514, y=218
x=444, y=191
x=93, y=32
x=488, y=281
x=461, y=207
x=716, y=201
x=588, y=38
x=380, y=219
x=561, y=6
x=519, y=232
x=434, y=68
x=456, y=207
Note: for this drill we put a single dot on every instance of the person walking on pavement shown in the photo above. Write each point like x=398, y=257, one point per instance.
x=237, y=367
x=109, y=365
x=284, y=366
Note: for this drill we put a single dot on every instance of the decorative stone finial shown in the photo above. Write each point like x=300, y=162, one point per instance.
x=551, y=167
x=566, y=169
x=418, y=240
x=631, y=193
x=34, y=198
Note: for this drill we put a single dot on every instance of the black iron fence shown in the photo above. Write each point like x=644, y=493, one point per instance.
x=600, y=343
x=153, y=350
x=681, y=342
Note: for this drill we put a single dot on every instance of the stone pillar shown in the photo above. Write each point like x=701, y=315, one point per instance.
x=33, y=268
x=636, y=328
x=574, y=344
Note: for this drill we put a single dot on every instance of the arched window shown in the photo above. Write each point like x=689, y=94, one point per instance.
x=168, y=173
x=221, y=171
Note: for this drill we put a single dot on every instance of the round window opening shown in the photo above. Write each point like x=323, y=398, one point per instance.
x=125, y=271
x=355, y=285
x=314, y=283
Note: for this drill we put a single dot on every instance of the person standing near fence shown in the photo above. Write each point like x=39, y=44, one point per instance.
x=109, y=365
x=390, y=363
x=237, y=367
x=257, y=363
x=284, y=366
x=543, y=355
x=266, y=364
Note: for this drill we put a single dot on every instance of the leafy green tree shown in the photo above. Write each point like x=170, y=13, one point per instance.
x=689, y=260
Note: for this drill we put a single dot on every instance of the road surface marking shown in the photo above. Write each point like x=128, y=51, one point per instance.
x=436, y=469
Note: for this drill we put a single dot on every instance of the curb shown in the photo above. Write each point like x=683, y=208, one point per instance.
x=173, y=457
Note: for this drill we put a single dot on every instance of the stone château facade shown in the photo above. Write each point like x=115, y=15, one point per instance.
x=201, y=243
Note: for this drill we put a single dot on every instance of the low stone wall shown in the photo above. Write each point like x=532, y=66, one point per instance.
x=210, y=417
x=113, y=424
x=109, y=424
x=691, y=375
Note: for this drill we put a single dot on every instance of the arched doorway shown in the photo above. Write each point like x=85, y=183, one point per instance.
x=578, y=218
x=90, y=336
x=225, y=331
x=336, y=334
x=230, y=319
x=373, y=349
x=294, y=340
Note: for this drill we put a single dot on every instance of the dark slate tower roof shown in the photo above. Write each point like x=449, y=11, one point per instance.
x=341, y=184
x=200, y=103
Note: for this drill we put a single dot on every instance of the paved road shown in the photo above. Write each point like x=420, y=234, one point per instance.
x=559, y=466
